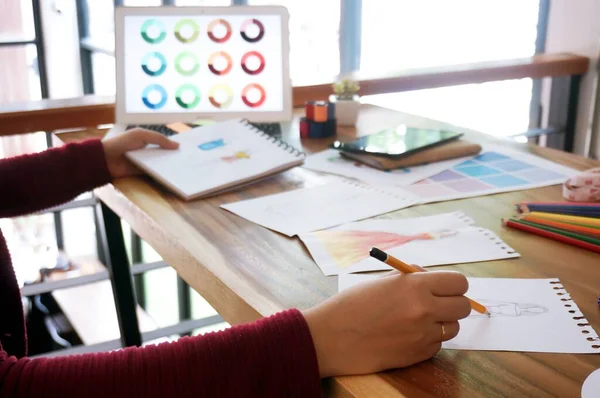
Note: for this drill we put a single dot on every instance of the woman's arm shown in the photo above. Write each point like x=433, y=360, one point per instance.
x=394, y=321
x=31, y=183
x=34, y=182
x=273, y=357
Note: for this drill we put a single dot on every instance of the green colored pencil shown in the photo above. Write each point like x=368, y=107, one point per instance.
x=560, y=232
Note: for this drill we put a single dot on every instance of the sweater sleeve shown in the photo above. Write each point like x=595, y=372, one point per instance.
x=272, y=357
x=38, y=181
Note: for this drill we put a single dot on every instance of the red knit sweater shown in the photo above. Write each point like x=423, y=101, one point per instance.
x=273, y=357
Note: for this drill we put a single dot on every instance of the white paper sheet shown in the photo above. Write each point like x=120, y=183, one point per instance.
x=441, y=239
x=325, y=206
x=496, y=169
x=591, y=385
x=527, y=315
x=330, y=161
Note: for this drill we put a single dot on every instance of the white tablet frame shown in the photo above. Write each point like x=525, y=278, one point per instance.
x=124, y=117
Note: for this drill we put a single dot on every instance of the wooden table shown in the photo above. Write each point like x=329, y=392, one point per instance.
x=246, y=271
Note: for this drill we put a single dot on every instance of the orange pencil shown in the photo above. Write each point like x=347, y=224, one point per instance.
x=409, y=269
x=560, y=225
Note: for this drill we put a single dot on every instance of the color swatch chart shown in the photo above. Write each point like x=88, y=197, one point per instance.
x=495, y=170
x=203, y=63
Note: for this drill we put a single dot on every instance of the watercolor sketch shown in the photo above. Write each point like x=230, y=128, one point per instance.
x=236, y=156
x=349, y=247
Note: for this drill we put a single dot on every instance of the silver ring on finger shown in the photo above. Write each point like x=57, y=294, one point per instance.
x=443, y=331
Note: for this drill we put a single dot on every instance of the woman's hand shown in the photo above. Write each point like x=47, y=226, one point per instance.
x=391, y=322
x=115, y=148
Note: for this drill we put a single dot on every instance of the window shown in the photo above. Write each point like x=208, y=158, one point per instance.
x=16, y=21
x=100, y=18
x=19, y=76
x=97, y=41
x=20, y=80
x=104, y=74
x=141, y=3
x=314, y=38
x=408, y=34
x=202, y=2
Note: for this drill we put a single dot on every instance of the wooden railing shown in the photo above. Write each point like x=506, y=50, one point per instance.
x=89, y=111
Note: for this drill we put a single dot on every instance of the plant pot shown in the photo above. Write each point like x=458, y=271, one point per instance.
x=346, y=111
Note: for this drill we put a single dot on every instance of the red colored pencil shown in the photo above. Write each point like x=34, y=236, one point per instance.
x=551, y=235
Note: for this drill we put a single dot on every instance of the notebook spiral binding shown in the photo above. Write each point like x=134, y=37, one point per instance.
x=281, y=144
x=586, y=328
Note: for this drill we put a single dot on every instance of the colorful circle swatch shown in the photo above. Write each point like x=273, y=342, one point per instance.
x=261, y=60
x=213, y=57
x=148, y=58
x=152, y=89
x=190, y=59
x=183, y=23
x=213, y=25
x=220, y=88
x=254, y=86
x=145, y=31
x=259, y=25
x=180, y=93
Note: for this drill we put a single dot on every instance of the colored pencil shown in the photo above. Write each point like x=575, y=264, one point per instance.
x=580, y=229
x=408, y=269
x=570, y=212
x=536, y=219
x=585, y=221
x=523, y=226
x=582, y=209
x=573, y=235
x=592, y=204
x=576, y=213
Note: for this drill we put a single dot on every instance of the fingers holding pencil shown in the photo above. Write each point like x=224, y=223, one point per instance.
x=405, y=268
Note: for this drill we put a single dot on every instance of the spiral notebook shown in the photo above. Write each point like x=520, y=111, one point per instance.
x=527, y=315
x=216, y=158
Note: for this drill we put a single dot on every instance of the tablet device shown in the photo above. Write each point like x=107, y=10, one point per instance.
x=397, y=142
x=181, y=64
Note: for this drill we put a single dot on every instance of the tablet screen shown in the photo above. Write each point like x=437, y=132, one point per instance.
x=203, y=63
x=397, y=141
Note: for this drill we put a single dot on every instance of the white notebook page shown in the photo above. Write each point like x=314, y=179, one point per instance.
x=448, y=238
x=213, y=156
x=325, y=206
x=527, y=315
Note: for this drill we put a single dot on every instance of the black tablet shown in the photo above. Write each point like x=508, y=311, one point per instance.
x=397, y=142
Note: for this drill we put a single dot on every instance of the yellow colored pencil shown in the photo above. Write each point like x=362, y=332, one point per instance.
x=409, y=269
x=565, y=218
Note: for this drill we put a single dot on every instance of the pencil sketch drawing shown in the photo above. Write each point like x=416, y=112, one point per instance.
x=509, y=309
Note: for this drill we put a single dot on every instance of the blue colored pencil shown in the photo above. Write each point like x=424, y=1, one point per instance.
x=576, y=209
x=572, y=212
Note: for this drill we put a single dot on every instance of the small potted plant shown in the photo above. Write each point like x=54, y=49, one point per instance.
x=346, y=102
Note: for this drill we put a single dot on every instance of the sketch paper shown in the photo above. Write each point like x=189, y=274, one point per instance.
x=325, y=206
x=330, y=161
x=591, y=385
x=496, y=169
x=527, y=315
x=448, y=238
